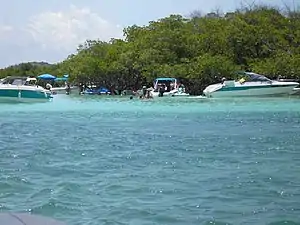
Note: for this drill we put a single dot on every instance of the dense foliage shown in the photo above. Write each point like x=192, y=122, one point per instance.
x=199, y=50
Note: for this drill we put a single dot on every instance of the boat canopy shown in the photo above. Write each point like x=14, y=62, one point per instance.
x=165, y=79
x=256, y=77
x=46, y=76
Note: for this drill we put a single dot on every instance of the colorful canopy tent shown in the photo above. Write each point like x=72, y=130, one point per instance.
x=46, y=76
x=27, y=219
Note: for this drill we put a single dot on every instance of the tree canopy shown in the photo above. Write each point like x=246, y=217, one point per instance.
x=198, y=49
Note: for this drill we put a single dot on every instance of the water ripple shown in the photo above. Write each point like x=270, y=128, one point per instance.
x=116, y=161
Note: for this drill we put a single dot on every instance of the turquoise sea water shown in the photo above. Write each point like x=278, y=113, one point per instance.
x=93, y=160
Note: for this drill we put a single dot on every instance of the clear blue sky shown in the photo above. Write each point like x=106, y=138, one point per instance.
x=49, y=30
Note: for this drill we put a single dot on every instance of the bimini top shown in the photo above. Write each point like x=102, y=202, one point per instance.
x=256, y=77
x=165, y=79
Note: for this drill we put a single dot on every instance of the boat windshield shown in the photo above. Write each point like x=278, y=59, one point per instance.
x=18, y=82
x=254, y=77
x=14, y=81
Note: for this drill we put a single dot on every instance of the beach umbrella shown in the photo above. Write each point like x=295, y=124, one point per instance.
x=28, y=219
x=46, y=77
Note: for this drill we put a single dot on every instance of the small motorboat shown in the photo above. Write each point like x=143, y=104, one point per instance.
x=23, y=89
x=168, y=87
x=251, y=84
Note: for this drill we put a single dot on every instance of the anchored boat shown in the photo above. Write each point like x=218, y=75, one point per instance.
x=251, y=84
x=168, y=87
x=22, y=89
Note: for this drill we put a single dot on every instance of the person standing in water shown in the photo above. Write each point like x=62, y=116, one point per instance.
x=144, y=90
x=148, y=94
x=68, y=88
x=161, y=91
x=81, y=88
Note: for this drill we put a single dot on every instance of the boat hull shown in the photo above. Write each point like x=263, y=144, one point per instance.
x=169, y=94
x=22, y=100
x=248, y=91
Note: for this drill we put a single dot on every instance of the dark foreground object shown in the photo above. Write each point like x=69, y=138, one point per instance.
x=26, y=219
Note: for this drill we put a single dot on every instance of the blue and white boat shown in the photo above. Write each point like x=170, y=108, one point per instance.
x=170, y=87
x=251, y=84
x=22, y=89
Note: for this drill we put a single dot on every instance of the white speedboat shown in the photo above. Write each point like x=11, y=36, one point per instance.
x=22, y=89
x=168, y=87
x=251, y=84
